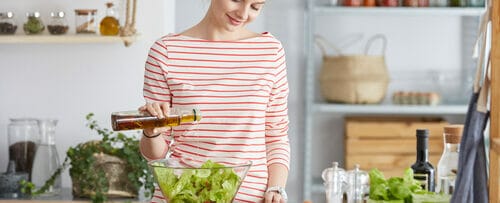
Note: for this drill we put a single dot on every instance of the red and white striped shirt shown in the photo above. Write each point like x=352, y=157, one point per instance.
x=241, y=89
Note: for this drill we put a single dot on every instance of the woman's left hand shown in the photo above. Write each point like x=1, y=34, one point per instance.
x=273, y=197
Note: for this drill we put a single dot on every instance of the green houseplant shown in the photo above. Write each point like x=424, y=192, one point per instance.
x=110, y=167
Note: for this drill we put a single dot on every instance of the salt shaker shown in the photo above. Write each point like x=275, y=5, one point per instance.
x=334, y=181
x=358, y=185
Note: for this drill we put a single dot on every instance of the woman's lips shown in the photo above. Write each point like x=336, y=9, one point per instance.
x=234, y=21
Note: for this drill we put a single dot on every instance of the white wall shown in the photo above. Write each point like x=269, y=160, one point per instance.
x=67, y=81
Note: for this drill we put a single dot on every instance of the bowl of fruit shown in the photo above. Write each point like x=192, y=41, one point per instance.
x=189, y=180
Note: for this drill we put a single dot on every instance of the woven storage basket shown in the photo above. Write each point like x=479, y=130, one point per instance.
x=354, y=79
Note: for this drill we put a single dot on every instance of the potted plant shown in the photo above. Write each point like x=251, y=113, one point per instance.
x=110, y=167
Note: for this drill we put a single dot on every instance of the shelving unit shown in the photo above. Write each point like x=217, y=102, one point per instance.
x=390, y=109
x=414, y=11
x=312, y=182
x=68, y=38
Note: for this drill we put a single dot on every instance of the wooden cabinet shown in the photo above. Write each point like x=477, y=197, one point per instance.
x=388, y=143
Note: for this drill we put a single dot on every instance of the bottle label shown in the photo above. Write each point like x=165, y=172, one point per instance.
x=422, y=179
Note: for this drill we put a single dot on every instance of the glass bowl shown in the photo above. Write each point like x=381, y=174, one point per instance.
x=188, y=180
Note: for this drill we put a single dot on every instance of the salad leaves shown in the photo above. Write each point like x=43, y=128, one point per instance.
x=395, y=188
x=212, y=182
x=401, y=189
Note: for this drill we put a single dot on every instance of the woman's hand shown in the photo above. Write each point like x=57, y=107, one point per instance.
x=160, y=110
x=273, y=197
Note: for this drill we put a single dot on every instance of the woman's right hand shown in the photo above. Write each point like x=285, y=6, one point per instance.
x=160, y=110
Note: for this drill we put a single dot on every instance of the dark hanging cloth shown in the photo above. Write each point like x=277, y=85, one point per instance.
x=472, y=177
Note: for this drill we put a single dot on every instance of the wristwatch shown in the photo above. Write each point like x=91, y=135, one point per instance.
x=278, y=189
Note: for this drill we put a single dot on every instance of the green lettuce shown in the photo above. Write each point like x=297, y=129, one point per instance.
x=395, y=188
x=212, y=182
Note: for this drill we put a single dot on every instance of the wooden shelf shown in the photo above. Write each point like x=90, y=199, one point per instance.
x=68, y=38
x=409, y=11
x=391, y=109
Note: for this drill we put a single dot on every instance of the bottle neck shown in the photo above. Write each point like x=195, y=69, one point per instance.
x=110, y=11
x=451, y=147
x=422, y=150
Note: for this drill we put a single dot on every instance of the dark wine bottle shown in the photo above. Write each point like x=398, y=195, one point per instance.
x=423, y=171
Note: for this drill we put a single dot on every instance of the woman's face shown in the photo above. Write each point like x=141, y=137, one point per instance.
x=234, y=14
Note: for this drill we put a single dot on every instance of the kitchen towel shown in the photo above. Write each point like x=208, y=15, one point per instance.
x=471, y=184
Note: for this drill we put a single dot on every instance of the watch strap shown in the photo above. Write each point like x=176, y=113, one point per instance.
x=278, y=189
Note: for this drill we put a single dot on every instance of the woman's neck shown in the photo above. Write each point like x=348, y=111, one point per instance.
x=210, y=30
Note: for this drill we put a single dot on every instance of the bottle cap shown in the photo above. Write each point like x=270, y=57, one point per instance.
x=197, y=114
x=453, y=133
x=423, y=133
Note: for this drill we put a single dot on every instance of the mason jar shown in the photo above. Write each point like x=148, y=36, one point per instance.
x=23, y=140
x=7, y=23
x=85, y=21
x=58, y=24
x=34, y=24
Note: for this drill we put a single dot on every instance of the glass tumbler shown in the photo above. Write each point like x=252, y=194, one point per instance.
x=23, y=140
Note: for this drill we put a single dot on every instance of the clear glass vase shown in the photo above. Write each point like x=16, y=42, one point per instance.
x=46, y=158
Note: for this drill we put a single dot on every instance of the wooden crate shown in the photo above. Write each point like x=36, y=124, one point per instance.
x=389, y=143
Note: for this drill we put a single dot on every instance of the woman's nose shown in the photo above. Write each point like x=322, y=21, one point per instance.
x=242, y=12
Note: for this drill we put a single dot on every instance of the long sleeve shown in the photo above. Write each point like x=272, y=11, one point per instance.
x=155, y=75
x=277, y=143
x=155, y=87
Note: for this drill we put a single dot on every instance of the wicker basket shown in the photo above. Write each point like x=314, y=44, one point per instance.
x=353, y=79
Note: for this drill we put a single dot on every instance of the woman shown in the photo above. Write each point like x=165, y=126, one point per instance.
x=237, y=78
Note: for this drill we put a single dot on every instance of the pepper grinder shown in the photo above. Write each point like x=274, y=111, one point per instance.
x=358, y=185
x=334, y=180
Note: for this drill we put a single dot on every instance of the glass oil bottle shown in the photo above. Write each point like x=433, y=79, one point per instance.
x=133, y=120
x=110, y=25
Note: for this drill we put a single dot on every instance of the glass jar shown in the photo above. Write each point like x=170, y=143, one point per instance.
x=438, y=3
x=110, y=26
x=85, y=21
x=58, y=24
x=34, y=24
x=7, y=24
x=23, y=140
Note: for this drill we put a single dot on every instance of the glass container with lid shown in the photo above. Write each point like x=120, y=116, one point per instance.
x=34, y=24
x=335, y=181
x=23, y=139
x=58, y=24
x=7, y=23
x=358, y=185
x=85, y=21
